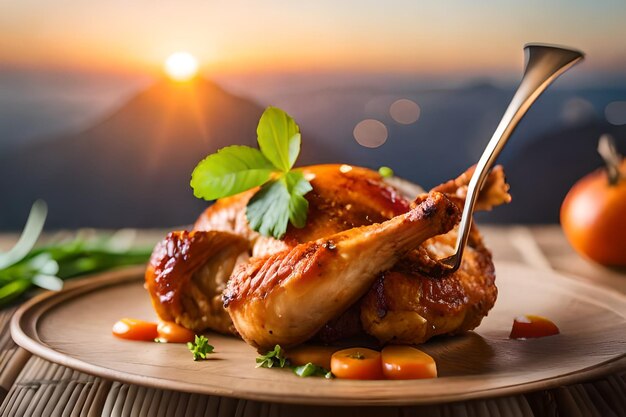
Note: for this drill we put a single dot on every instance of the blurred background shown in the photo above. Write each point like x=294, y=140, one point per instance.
x=106, y=107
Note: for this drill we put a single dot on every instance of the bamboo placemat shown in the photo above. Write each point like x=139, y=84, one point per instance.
x=32, y=386
x=47, y=389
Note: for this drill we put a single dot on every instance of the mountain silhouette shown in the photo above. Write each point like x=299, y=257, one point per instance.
x=133, y=167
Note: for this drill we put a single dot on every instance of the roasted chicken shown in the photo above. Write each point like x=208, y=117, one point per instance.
x=364, y=263
x=286, y=298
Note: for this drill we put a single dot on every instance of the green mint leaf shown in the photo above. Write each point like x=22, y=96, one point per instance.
x=200, y=348
x=385, y=172
x=279, y=138
x=278, y=202
x=311, y=370
x=235, y=169
x=297, y=186
x=231, y=170
x=268, y=209
x=273, y=359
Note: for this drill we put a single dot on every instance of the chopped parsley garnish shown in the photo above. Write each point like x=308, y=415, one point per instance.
x=276, y=358
x=273, y=359
x=234, y=169
x=200, y=348
x=312, y=370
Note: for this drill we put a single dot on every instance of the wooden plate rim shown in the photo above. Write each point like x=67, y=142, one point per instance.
x=24, y=332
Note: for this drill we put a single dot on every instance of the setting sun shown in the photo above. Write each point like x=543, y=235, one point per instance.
x=181, y=66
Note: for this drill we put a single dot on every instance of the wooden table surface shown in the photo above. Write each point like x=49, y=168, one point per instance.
x=31, y=386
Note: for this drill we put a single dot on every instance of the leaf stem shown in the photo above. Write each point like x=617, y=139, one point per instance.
x=612, y=158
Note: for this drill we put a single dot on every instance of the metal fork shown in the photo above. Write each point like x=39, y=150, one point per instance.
x=544, y=63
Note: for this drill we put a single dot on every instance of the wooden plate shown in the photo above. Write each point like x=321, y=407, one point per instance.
x=73, y=328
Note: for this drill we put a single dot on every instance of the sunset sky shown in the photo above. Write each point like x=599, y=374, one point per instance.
x=372, y=82
x=450, y=37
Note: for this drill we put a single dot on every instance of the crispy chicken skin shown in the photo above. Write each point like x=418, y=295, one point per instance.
x=188, y=272
x=343, y=197
x=287, y=297
x=406, y=305
x=414, y=300
x=407, y=301
x=495, y=191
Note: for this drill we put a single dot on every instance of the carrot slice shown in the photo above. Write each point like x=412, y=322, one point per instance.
x=406, y=362
x=529, y=326
x=133, y=329
x=356, y=363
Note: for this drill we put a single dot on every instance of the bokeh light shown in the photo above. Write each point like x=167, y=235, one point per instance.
x=370, y=133
x=577, y=110
x=405, y=111
x=615, y=112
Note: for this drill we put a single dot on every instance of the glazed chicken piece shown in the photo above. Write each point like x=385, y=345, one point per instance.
x=187, y=274
x=343, y=197
x=413, y=301
x=405, y=304
x=287, y=297
x=495, y=191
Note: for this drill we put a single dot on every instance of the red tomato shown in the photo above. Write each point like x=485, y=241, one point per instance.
x=134, y=329
x=406, y=362
x=171, y=332
x=529, y=326
x=356, y=363
x=593, y=217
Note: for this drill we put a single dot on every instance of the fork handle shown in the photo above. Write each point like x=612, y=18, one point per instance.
x=544, y=63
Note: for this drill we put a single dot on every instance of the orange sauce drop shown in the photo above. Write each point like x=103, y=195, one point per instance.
x=170, y=332
x=529, y=327
x=134, y=329
x=317, y=355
